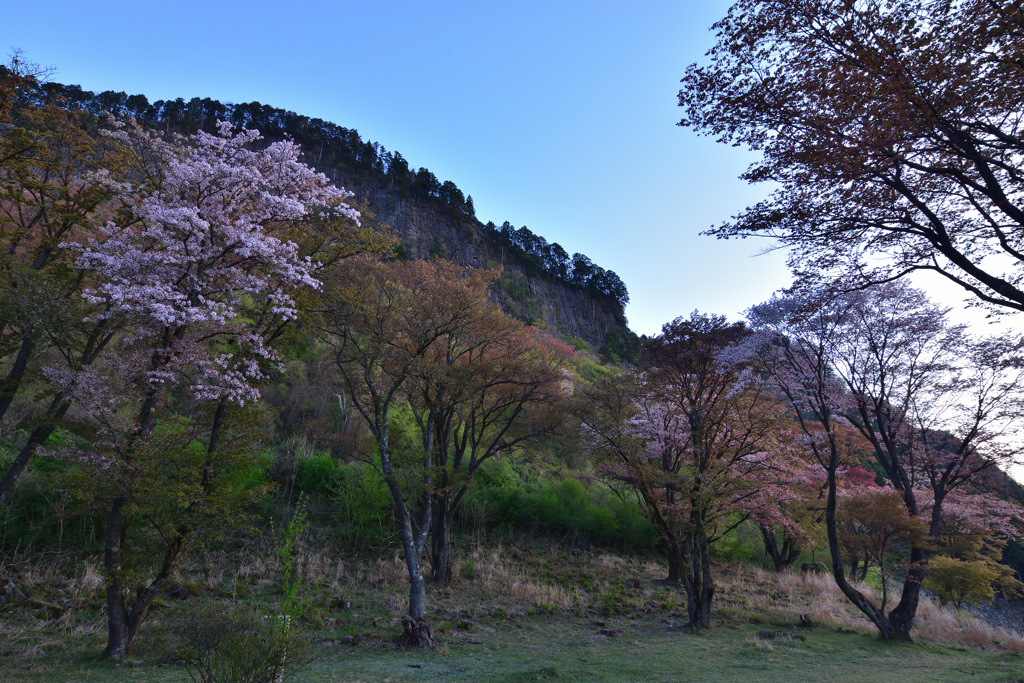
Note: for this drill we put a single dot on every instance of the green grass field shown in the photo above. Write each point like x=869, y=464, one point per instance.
x=559, y=648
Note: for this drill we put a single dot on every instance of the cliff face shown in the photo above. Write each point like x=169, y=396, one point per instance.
x=428, y=230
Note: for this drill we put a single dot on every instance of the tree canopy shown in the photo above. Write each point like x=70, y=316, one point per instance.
x=892, y=131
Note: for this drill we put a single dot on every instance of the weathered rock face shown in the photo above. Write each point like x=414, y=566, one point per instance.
x=427, y=230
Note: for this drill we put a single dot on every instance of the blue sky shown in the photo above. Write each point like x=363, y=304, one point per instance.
x=555, y=115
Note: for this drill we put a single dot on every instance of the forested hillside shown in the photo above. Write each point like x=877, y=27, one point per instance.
x=541, y=283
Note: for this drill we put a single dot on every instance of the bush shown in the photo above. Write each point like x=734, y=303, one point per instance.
x=364, y=504
x=316, y=474
x=960, y=582
x=239, y=645
x=741, y=544
x=584, y=511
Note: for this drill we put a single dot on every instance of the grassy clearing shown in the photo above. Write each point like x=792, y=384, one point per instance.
x=516, y=613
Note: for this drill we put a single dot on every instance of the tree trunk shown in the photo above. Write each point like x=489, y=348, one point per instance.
x=118, y=642
x=124, y=621
x=700, y=586
x=783, y=556
x=9, y=386
x=876, y=616
x=902, y=617
x=676, y=563
x=440, y=541
x=417, y=630
x=58, y=408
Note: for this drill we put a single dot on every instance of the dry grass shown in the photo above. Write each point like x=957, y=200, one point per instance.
x=764, y=592
x=498, y=574
x=493, y=580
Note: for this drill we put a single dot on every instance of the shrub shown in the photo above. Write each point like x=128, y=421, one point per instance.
x=239, y=645
x=960, y=582
x=364, y=504
x=316, y=474
x=584, y=511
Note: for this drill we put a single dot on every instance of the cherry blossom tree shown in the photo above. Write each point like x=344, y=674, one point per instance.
x=694, y=438
x=935, y=407
x=201, y=276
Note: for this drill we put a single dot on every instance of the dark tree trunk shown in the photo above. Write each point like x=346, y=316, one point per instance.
x=9, y=386
x=700, y=586
x=58, y=408
x=676, y=563
x=862, y=603
x=118, y=641
x=124, y=620
x=440, y=541
x=416, y=632
x=902, y=617
x=781, y=557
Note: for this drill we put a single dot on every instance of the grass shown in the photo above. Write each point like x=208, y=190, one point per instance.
x=515, y=613
x=560, y=648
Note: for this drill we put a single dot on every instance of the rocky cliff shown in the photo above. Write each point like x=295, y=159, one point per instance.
x=426, y=229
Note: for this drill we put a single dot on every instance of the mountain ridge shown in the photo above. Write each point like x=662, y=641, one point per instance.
x=540, y=283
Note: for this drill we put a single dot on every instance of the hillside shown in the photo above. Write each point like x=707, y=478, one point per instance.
x=541, y=284
x=524, y=291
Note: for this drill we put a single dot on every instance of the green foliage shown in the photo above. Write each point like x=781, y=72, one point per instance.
x=239, y=645
x=317, y=474
x=518, y=290
x=359, y=508
x=961, y=582
x=578, y=343
x=566, y=507
x=624, y=348
x=287, y=553
x=364, y=504
x=436, y=250
x=45, y=510
x=741, y=544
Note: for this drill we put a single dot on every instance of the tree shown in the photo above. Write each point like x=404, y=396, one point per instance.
x=484, y=388
x=694, y=439
x=961, y=582
x=58, y=183
x=876, y=529
x=935, y=408
x=381, y=321
x=205, y=279
x=966, y=567
x=795, y=337
x=890, y=128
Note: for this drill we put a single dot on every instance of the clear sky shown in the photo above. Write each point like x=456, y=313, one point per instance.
x=557, y=115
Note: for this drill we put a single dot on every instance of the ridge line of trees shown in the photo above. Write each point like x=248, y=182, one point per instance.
x=332, y=148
